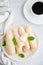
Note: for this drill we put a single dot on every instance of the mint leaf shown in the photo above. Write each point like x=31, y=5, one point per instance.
x=14, y=41
x=21, y=55
x=30, y=38
x=4, y=43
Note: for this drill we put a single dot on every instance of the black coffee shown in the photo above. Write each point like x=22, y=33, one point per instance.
x=37, y=8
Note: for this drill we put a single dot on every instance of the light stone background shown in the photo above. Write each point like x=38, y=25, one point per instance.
x=17, y=8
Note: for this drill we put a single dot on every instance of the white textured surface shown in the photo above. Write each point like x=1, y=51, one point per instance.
x=17, y=7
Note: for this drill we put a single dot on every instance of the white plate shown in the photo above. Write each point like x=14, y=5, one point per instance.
x=16, y=57
x=29, y=15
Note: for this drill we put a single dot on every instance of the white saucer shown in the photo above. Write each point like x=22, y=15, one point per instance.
x=29, y=15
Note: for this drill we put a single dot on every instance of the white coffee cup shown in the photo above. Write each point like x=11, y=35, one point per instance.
x=30, y=15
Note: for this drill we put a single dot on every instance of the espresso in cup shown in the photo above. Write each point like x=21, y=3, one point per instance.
x=37, y=8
